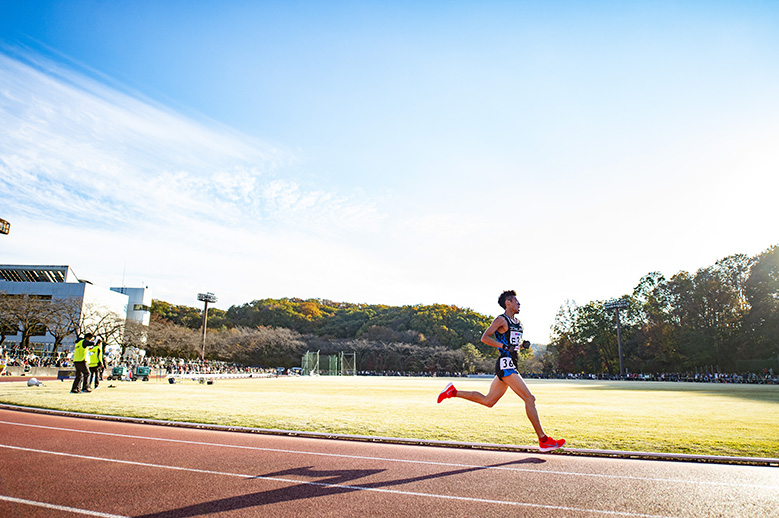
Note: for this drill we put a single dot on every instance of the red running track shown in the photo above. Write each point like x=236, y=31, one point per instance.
x=52, y=466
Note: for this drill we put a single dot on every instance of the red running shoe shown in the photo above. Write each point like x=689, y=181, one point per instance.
x=448, y=392
x=550, y=444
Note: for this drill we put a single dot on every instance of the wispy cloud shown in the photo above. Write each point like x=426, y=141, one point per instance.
x=73, y=148
x=106, y=182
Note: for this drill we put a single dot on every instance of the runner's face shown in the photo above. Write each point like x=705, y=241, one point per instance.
x=512, y=304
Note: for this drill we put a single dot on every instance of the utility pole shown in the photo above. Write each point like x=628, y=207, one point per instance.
x=616, y=305
x=205, y=297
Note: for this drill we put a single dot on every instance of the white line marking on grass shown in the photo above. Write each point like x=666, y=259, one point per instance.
x=423, y=462
x=325, y=485
x=60, y=507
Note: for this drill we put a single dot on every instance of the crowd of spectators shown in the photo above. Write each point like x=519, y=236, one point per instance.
x=26, y=357
x=766, y=377
x=185, y=366
x=423, y=374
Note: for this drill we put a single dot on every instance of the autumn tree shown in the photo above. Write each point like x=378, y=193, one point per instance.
x=168, y=339
x=29, y=314
x=102, y=322
x=64, y=319
x=8, y=323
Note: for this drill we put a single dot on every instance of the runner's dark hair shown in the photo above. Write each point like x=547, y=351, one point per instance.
x=503, y=296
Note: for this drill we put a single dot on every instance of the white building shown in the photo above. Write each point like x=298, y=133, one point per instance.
x=93, y=302
x=138, y=303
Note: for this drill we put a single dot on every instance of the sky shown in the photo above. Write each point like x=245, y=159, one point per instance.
x=388, y=152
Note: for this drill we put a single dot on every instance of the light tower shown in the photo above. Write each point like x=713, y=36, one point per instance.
x=205, y=297
x=616, y=305
x=5, y=227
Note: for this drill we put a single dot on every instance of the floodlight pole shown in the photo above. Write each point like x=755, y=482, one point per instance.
x=616, y=305
x=206, y=298
x=619, y=345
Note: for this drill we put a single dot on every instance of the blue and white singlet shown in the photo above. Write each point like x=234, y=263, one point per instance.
x=511, y=339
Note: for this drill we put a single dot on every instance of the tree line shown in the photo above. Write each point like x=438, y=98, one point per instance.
x=724, y=317
x=435, y=325
x=282, y=347
x=277, y=332
x=268, y=332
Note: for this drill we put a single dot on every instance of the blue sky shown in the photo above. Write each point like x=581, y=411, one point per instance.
x=388, y=152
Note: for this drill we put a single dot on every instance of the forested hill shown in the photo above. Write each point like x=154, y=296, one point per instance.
x=437, y=324
x=723, y=317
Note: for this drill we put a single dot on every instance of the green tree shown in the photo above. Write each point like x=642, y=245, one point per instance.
x=761, y=291
x=707, y=310
x=720, y=315
x=656, y=346
x=472, y=359
x=565, y=345
x=598, y=337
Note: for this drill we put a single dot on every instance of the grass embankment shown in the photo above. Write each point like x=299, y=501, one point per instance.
x=704, y=419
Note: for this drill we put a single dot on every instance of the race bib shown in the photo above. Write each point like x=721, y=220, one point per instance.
x=515, y=337
x=506, y=364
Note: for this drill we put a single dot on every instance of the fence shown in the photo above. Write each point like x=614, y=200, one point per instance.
x=341, y=364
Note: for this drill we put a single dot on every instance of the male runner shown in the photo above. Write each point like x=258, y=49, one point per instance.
x=507, y=332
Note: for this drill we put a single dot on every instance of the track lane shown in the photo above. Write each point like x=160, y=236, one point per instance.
x=232, y=474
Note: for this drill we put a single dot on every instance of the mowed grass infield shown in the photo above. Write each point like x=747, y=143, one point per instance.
x=689, y=418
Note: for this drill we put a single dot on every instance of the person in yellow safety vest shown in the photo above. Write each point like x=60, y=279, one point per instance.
x=80, y=363
x=96, y=363
x=3, y=362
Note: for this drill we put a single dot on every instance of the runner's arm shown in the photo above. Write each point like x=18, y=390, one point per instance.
x=498, y=325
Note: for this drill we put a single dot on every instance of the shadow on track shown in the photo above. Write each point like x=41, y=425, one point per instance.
x=322, y=483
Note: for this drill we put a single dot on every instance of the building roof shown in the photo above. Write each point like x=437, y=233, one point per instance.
x=27, y=273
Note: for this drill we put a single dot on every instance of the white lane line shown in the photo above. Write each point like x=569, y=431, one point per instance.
x=408, y=461
x=65, y=508
x=337, y=486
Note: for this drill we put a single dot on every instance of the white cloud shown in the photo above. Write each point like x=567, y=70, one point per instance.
x=72, y=147
x=180, y=199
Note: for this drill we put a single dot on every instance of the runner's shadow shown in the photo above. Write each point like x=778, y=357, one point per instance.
x=311, y=483
x=308, y=483
x=469, y=469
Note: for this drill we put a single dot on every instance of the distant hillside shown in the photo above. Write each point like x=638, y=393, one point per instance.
x=437, y=324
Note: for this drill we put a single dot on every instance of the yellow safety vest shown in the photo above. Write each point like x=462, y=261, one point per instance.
x=79, y=353
x=96, y=355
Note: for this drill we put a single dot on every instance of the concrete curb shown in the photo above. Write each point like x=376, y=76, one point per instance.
x=761, y=461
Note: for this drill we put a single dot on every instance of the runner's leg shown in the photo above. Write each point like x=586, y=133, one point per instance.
x=497, y=389
x=518, y=385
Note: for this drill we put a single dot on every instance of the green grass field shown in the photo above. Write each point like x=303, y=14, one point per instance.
x=704, y=419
